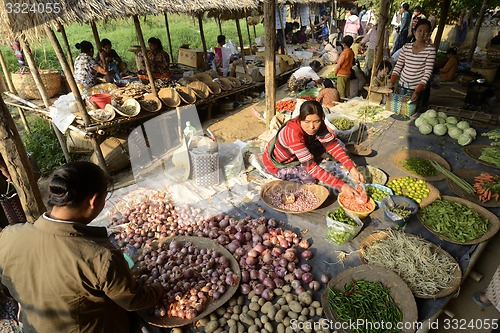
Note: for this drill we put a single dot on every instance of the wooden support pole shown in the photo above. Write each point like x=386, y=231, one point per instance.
x=76, y=92
x=138, y=31
x=248, y=33
x=43, y=92
x=19, y=166
x=203, y=42
x=6, y=73
x=23, y=120
x=283, y=36
x=254, y=32
x=381, y=26
x=242, y=46
x=477, y=27
x=219, y=24
x=96, y=36
x=168, y=37
x=3, y=84
x=69, y=56
x=270, y=59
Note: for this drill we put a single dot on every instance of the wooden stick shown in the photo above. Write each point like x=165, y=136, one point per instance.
x=169, y=38
x=248, y=33
x=69, y=56
x=240, y=37
x=96, y=36
x=140, y=37
x=203, y=42
x=6, y=73
x=270, y=59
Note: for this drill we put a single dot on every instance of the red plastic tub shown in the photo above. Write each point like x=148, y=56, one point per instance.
x=101, y=100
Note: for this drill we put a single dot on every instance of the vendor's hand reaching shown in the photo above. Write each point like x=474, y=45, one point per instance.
x=357, y=176
x=348, y=191
x=414, y=96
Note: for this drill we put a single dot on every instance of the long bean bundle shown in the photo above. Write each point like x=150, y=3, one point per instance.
x=367, y=301
x=424, y=270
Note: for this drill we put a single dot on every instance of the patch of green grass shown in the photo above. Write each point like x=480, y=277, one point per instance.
x=184, y=29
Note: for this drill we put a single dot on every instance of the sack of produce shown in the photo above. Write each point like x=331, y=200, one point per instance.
x=343, y=126
x=342, y=226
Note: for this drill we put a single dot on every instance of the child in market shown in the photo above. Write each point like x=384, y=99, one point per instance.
x=383, y=71
x=328, y=96
x=344, y=67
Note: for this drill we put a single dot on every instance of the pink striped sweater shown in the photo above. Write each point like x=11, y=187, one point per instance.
x=414, y=69
x=291, y=146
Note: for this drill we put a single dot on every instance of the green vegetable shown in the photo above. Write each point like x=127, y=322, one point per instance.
x=419, y=166
x=451, y=120
x=463, y=125
x=340, y=215
x=365, y=300
x=490, y=155
x=401, y=211
x=431, y=113
x=454, y=220
x=464, y=139
x=494, y=136
x=440, y=129
x=420, y=121
x=432, y=121
x=454, y=178
x=415, y=189
x=376, y=193
x=425, y=129
x=337, y=236
x=454, y=132
x=343, y=124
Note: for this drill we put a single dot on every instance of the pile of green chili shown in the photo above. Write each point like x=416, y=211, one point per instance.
x=419, y=166
x=368, y=301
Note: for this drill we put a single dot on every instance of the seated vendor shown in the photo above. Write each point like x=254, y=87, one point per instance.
x=329, y=53
x=159, y=60
x=300, y=36
x=328, y=96
x=297, y=149
x=86, y=69
x=449, y=71
x=109, y=58
x=382, y=78
x=302, y=76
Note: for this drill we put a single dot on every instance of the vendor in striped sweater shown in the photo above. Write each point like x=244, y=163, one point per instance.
x=415, y=64
x=296, y=151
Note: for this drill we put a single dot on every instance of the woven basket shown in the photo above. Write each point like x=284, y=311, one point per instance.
x=236, y=83
x=213, y=87
x=116, y=154
x=12, y=208
x=203, y=77
x=493, y=53
x=205, y=168
x=169, y=97
x=151, y=97
x=187, y=94
x=26, y=87
x=200, y=89
x=77, y=143
x=398, y=103
x=224, y=83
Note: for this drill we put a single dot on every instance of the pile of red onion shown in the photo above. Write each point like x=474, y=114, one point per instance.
x=269, y=256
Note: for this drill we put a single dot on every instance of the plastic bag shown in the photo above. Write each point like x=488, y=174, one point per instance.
x=339, y=232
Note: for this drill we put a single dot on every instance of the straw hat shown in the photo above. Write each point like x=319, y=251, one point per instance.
x=169, y=97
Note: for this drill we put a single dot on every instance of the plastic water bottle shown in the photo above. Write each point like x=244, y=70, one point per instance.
x=189, y=130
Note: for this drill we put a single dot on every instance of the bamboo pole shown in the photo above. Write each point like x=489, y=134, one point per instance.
x=242, y=46
x=477, y=27
x=96, y=36
x=270, y=58
x=76, y=92
x=138, y=31
x=6, y=73
x=219, y=24
x=203, y=42
x=167, y=26
x=3, y=85
x=248, y=33
x=254, y=32
x=61, y=29
x=19, y=166
x=43, y=93
x=381, y=26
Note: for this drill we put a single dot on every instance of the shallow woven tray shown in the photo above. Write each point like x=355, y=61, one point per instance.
x=200, y=89
x=213, y=87
x=187, y=94
x=433, y=194
x=110, y=111
x=203, y=77
x=169, y=97
x=468, y=176
x=224, y=83
x=494, y=222
x=397, y=288
x=474, y=151
x=130, y=102
x=457, y=274
x=400, y=156
x=151, y=97
x=201, y=243
x=234, y=81
x=371, y=170
x=319, y=191
x=245, y=77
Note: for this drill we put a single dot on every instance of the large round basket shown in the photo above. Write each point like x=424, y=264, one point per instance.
x=200, y=89
x=267, y=191
x=399, y=158
x=492, y=218
x=475, y=151
x=201, y=243
x=397, y=288
x=457, y=273
x=187, y=94
x=169, y=97
x=468, y=175
x=26, y=87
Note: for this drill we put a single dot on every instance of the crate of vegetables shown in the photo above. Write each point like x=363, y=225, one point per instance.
x=342, y=226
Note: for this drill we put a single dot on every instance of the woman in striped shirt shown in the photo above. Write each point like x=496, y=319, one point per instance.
x=415, y=64
x=296, y=151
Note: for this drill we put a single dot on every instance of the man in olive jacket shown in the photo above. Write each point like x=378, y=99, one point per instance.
x=67, y=276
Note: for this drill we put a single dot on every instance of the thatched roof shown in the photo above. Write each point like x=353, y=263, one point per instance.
x=84, y=11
